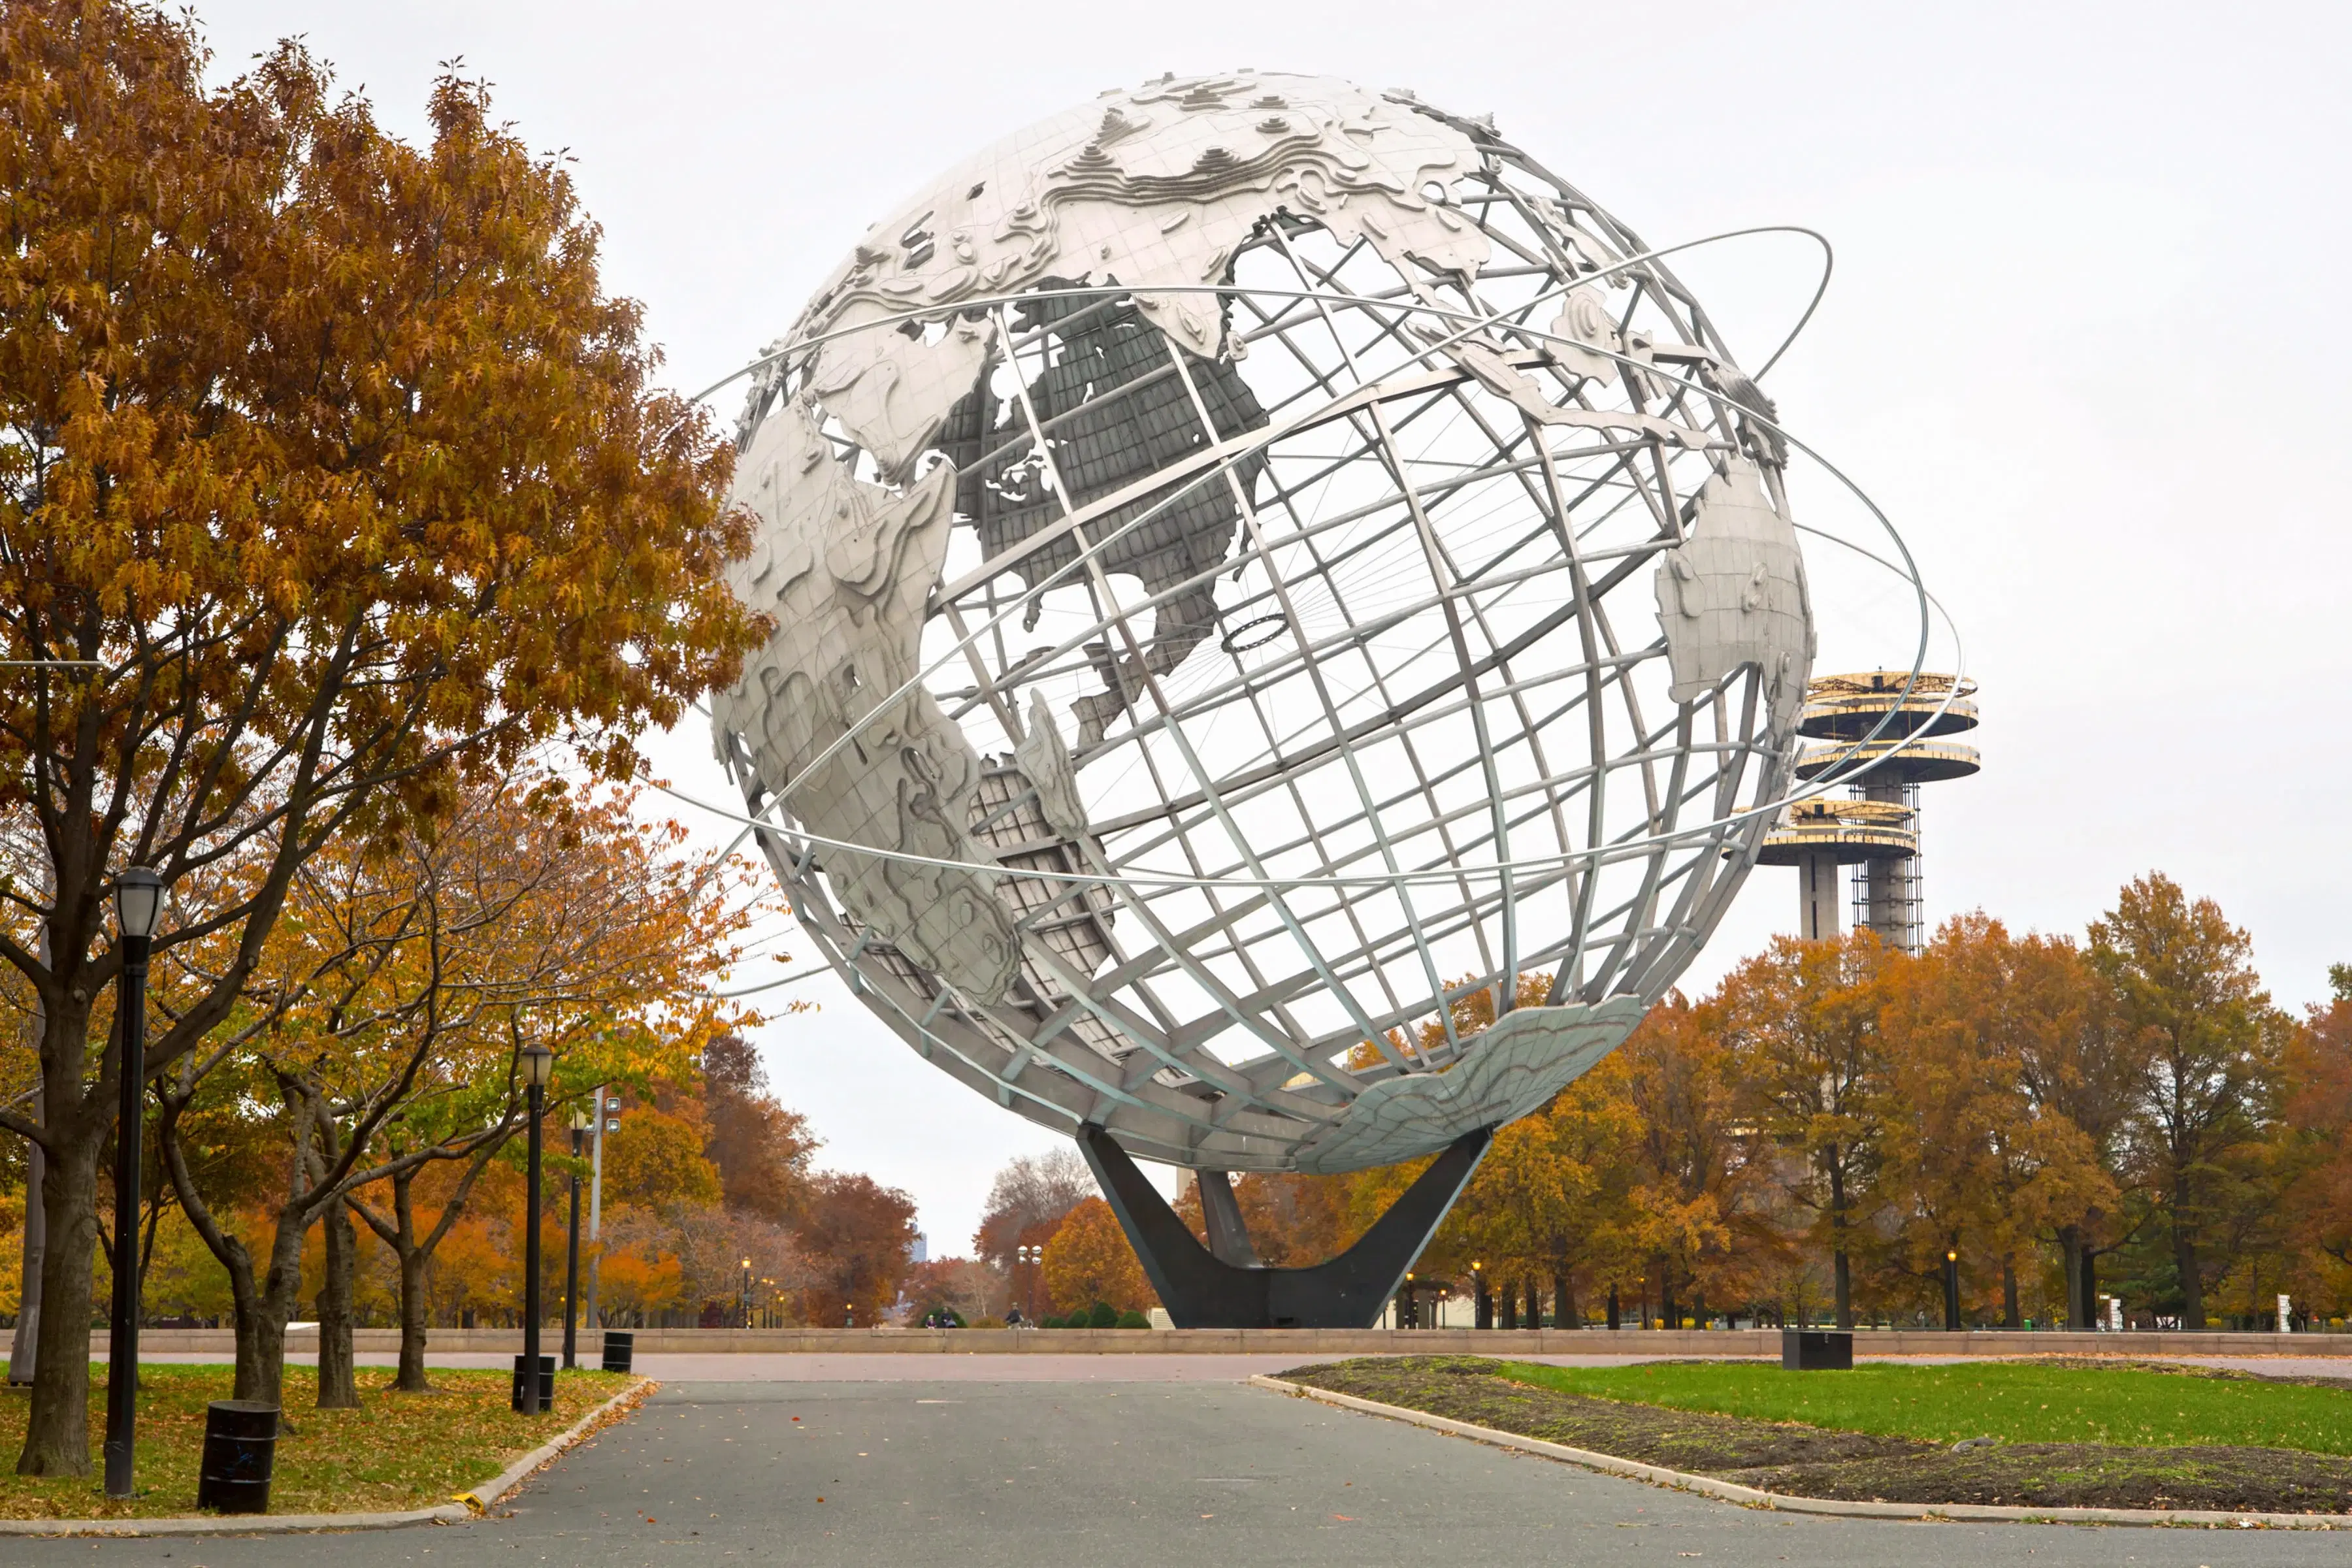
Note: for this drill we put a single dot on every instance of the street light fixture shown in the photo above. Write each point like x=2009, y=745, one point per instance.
x=138, y=906
x=747, y=1292
x=580, y=1124
x=1952, y=1291
x=537, y=1064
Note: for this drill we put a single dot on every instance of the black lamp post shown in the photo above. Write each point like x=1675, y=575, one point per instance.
x=747, y=1292
x=138, y=905
x=572, y=1246
x=1951, y=1291
x=529, y=1392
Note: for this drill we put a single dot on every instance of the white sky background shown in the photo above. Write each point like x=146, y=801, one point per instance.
x=2086, y=345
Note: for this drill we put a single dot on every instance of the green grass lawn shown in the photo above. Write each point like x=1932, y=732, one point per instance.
x=2018, y=1402
x=398, y=1451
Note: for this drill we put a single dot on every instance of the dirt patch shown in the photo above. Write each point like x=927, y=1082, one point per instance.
x=2078, y=1475
x=1814, y=1461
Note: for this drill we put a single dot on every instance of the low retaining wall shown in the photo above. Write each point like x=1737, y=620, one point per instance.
x=1305, y=1343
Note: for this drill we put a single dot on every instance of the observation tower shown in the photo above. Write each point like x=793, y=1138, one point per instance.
x=1889, y=742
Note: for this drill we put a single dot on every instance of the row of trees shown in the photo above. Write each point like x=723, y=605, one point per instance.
x=1043, y=1205
x=711, y=1211
x=2126, y=1114
x=338, y=505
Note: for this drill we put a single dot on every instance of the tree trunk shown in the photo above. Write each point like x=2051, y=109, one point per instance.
x=56, y=1430
x=415, y=1263
x=1564, y=1314
x=338, y=1381
x=1840, y=1267
x=262, y=1375
x=416, y=1254
x=263, y=1304
x=2010, y=1316
x=2070, y=1252
x=1535, y=1303
x=23, y=1347
x=2192, y=1288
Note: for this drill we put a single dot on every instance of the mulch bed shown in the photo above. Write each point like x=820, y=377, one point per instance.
x=1813, y=1461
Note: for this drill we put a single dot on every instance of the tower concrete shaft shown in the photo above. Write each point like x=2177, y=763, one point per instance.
x=1817, y=837
x=1821, y=893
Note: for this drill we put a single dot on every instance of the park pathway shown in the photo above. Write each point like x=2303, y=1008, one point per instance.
x=1136, y=1466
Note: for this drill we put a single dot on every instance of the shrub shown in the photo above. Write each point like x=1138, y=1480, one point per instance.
x=1132, y=1319
x=1104, y=1316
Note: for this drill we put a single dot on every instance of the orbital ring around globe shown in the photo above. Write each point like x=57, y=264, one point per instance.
x=1846, y=765
x=1038, y=468
x=1804, y=318
x=1836, y=774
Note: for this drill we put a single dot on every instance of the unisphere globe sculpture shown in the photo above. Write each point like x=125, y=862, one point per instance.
x=1255, y=564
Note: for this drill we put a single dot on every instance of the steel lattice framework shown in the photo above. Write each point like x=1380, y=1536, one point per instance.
x=1350, y=609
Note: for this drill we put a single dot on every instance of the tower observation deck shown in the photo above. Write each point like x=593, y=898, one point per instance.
x=1877, y=830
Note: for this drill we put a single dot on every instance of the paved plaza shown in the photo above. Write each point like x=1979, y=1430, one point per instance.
x=1129, y=1460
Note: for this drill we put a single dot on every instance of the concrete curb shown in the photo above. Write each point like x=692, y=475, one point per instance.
x=1307, y=1343
x=463, y=1506
x=1750, y=1497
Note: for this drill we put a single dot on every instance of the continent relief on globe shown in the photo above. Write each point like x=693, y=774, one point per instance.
x=1156, y=186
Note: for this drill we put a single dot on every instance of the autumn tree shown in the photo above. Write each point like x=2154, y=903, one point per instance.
x=2204, y=1042
x=858, y=1238
x=964, y=1286
x=1550, y=1203
x=331, y=459
x=1800, y=1022
x=567, y=922
x=1295, y=1218
x=1990, y=1040
x=2077, y=1073
x=1693, y=1184
x=1090, y=1261
x=2315, y=1135
x=413, y=975
x=1027, y=1200
x=760, y=1149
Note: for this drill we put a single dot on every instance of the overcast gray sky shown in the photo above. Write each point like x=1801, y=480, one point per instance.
x=2086, y=345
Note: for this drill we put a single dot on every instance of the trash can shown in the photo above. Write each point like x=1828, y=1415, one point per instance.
x=1816, y=1350
x=240, y=1449
x=546, y=1385
x=620, y=1349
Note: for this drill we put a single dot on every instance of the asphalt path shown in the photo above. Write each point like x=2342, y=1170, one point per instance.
x=1206, y=1473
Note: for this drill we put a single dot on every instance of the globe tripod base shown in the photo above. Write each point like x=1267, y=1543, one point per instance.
x=1201, y=1290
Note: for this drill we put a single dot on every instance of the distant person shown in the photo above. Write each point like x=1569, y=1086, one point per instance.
x=1012, y=1318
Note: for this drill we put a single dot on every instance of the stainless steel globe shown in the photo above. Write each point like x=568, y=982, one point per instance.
x=1255, y=562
